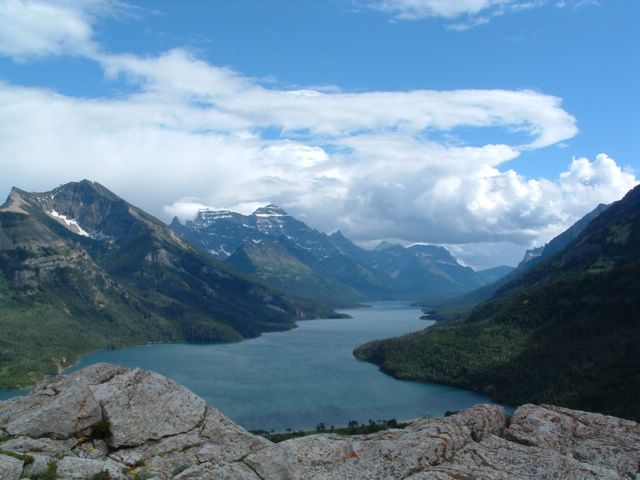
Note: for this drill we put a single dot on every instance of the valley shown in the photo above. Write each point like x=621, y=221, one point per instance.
x=563, y=330
x=83, y=270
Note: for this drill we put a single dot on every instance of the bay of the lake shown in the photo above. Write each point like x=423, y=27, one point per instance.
x=299, y=378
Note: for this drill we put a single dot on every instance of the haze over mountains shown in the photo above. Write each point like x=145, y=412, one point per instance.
x=284, y=252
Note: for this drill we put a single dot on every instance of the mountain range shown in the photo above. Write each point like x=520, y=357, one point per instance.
x=563, y=328
x=284, y=252
x=81, y=269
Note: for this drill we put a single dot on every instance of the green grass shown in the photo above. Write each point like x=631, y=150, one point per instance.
x=49, y=474
x=27, y=459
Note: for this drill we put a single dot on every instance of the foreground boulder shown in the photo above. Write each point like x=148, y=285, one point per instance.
x=120, y=423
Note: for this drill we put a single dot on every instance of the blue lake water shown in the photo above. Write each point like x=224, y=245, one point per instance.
x=299, y=378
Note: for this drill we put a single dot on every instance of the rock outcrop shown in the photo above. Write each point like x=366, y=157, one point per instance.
x=107, y=421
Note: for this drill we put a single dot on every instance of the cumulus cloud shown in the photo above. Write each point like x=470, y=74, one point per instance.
x=485, y=204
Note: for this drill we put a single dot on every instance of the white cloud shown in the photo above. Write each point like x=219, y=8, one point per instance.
x=416, y=9
x=36, y=28
x=373, y=180
x=228, y=101
x=463, y=15
x=371, y=163
x=485, y=204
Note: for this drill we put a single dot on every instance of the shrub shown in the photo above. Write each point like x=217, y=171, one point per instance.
x=101, y=429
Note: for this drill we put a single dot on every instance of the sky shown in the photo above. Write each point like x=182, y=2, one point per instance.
x=487, y=126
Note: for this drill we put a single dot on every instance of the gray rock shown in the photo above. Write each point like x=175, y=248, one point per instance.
x=160, y=428
x=95, y=449
x=385, y=455
x=232, y=471
x=182, y=442
x=226, y=441
x=38, y=445
x=74, y=468
x=40, y=465
x=10, y=468
x=139, y=405
x=142, y=406
x=62, y=407
x=591, y=438
x=497, y=459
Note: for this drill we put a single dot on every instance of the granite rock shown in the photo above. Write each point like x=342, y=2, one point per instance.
x=10, y=468
x=159, y=429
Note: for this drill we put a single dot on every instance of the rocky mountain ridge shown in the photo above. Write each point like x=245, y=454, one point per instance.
x=123, y=423
x=313, y=264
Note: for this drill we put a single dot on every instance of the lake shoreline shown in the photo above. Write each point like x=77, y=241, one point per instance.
x=301, y=377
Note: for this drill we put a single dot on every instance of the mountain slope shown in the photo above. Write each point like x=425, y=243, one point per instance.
x=566, y=331
x=81, y=269
x=282, y=264
x=422, y=271
x=458, y=306
x=491, y=275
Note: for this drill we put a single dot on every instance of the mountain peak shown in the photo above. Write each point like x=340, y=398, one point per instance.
x=86, y=187
x=206, y=217
x=270, y=210
x=15, y=201
x=384, y=245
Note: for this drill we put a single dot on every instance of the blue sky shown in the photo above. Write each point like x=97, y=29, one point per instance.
x=485, y=125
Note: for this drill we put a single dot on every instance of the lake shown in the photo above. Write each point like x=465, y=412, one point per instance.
x=299, y=378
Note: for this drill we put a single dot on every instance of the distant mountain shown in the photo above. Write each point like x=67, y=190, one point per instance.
x=81, y=269
x=494, y=274
x=565, y=331
x=422, y=271
x=222, y=232
x=286, y=253
x=285, y=265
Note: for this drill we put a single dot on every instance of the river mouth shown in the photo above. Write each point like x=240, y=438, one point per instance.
x=300, y=378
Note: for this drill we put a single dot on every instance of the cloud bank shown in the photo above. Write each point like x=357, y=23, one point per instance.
x=372, y=164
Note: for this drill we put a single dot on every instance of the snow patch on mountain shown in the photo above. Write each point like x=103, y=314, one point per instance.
x=72, y=224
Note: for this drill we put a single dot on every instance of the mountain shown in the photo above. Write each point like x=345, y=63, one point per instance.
x=422, y=271
x=81, y=269
x=222, y=232
x=285, y=253
x=285, y=265
x=565, y=331
x=491, y=275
